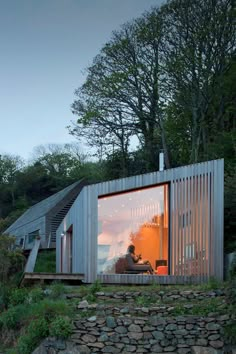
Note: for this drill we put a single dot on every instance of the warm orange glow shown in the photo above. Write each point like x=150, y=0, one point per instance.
x=139, y=217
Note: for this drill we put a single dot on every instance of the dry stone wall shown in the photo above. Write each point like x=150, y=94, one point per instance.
x=127, y=328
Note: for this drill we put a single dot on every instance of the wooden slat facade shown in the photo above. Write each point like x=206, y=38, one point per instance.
x=195, y=225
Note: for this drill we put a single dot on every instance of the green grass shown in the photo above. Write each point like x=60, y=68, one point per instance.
x=46, y=262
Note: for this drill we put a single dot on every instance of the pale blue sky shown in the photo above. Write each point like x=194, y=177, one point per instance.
x=44, y=46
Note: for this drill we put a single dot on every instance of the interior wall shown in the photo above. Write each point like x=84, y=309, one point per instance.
x=148, y=244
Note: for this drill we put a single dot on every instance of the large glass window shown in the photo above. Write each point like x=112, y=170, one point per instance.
x=140, y=218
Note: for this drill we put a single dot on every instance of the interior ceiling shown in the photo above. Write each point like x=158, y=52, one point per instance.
x=132, y=204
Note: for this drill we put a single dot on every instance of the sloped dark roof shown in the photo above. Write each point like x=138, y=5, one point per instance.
x=42, y=208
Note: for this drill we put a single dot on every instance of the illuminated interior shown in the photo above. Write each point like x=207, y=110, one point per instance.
x=140, y=218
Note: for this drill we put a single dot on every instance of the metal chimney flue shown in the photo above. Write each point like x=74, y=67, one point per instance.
x=161, y=161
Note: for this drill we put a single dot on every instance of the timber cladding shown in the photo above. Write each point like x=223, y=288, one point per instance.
x=195, y=229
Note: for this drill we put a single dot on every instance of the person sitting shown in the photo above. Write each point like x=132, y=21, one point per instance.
x=134, y=262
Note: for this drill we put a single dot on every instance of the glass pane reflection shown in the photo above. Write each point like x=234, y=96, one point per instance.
x=140, y=218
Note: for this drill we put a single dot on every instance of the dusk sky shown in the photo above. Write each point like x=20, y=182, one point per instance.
x=45, y=46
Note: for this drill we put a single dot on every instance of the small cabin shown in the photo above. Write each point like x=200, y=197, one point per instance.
x=173, y=218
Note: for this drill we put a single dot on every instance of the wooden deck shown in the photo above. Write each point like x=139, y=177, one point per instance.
x=41, y=278
x=150, y=279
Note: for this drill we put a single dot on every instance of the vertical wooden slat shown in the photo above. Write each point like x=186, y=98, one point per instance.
x=218, y=218
x=209, y=222
x=199, y=222
x=211, y=240
x=184, y=221
x=204, y=216
x=189, y=213
x=173, y=235
x=195, y=223
x=202, y=208
x=192, y=216
x=205, y=221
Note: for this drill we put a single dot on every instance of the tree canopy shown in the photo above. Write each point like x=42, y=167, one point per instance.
x=164, y=80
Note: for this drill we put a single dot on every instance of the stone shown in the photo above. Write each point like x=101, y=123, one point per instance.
x=135, y=335
x=39, y=350
x=203, y=350
x=82, y=349
x=110, y=322
x=90, y=324
x=92, y=306
x=130, y=348
x=120, y=345
x=184, y=351
x=216, y=344
x=134, y=328
x=202, y=341
x=139, y=321
x=60, y=344
x=83, y=304
x=87, y=338
x=157, y=321
x=165, y=342
x=110, y=349
x=223, y=318
x=170, y=349
x=121, y=329
x=96, y=345
x=182, y=346
x=171, y=308
x=147, y=335
x=211, y=293
x=212, y=326
x=148, y=328
x=171, y=327
x=181, y=332
x=214, y=337
x=124, y=310
x=103, y=337
x=156, y=348
x=189, y=326
x=190, y=341
x=158, y=335
x=127, y=322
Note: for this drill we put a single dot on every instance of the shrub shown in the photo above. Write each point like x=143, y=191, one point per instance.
x=4, y=296
x=60, y=327
x=36, y=331
x=142, y=300
x=95, y=287
x=10, y=318
x=49, y=309
x=232, y=271
x=56, y=290
x=35, y=295
x=230, y=333
x=18, y=296
x=90, y=298
x=11, y=260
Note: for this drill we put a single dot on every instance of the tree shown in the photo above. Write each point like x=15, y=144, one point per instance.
x=10, y=166
x=122, y=95
x=61, y=163
x=11, y=260
x=200, y=44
